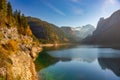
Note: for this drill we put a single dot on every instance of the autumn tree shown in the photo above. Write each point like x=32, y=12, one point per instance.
x=3, y=7
x=3, y=11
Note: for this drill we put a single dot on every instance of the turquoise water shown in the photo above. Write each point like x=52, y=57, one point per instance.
x=79, y=63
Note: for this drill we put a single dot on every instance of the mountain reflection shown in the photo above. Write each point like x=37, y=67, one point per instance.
x=44, y=60
x=110, y=63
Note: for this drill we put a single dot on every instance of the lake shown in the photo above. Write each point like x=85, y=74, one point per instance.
x=79, y=63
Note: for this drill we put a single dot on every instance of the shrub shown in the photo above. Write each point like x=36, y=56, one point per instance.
x=11, y=45
x=28, y=31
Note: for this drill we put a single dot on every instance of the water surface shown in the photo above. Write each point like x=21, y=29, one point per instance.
x=79, y=63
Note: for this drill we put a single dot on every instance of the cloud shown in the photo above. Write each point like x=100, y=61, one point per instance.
x=54, y=9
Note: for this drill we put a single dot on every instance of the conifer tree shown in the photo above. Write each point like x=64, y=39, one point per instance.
x=9, y=10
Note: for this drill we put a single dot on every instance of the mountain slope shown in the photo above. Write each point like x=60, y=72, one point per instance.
x=46, y=32
x=76, y=34
x=69, y=33
x=17, y=46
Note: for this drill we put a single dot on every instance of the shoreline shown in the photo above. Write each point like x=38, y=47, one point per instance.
x=55, y=45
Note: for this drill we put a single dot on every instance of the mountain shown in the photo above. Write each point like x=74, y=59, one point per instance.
x=46, y=32
x=50, y=33
x=84, y=31
x=78, y=33
x=107, y=32
x=69, y=33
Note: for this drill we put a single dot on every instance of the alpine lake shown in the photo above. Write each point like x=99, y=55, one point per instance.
x=81, y=62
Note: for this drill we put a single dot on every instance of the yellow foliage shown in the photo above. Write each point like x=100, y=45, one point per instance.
x=11, y=45
x=1, y=35
x=27, y=41
x=25, y=31
x=29, y=32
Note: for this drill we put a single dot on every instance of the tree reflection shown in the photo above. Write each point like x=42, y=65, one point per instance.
x=44, y=60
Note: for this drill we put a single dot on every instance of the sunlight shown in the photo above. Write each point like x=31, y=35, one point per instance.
x=112, y=1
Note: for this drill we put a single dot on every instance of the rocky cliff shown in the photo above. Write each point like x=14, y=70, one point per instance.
x=17, y=53
x=108, y=31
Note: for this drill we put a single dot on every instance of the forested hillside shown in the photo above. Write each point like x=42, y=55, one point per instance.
x=46, y=32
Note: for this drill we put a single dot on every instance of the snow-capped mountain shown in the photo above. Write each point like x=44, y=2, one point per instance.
x=84, y=31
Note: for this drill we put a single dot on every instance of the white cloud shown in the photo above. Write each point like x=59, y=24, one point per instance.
x=55, y=9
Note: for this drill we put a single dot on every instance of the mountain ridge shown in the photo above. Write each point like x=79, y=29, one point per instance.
x=107, y=31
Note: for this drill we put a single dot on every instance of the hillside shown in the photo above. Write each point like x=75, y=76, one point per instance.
x=46, y=32
x=69, y=33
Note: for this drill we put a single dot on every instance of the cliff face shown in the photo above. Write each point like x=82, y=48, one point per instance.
x=108, y=30
x=17, y=53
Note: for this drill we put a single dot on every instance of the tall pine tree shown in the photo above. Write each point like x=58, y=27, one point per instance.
x=9, y=10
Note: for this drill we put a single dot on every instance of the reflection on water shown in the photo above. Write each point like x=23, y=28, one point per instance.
x=79, y=63
x=110, y=63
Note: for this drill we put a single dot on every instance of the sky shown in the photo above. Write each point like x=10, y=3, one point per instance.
x=72, y=13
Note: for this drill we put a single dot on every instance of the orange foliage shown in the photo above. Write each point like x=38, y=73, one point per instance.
x=12, y=45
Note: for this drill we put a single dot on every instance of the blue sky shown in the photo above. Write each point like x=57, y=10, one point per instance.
x=67, y=12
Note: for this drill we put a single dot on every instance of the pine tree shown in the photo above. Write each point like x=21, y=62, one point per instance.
x=9, y=10
x=24, y=21
x=17, y=16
